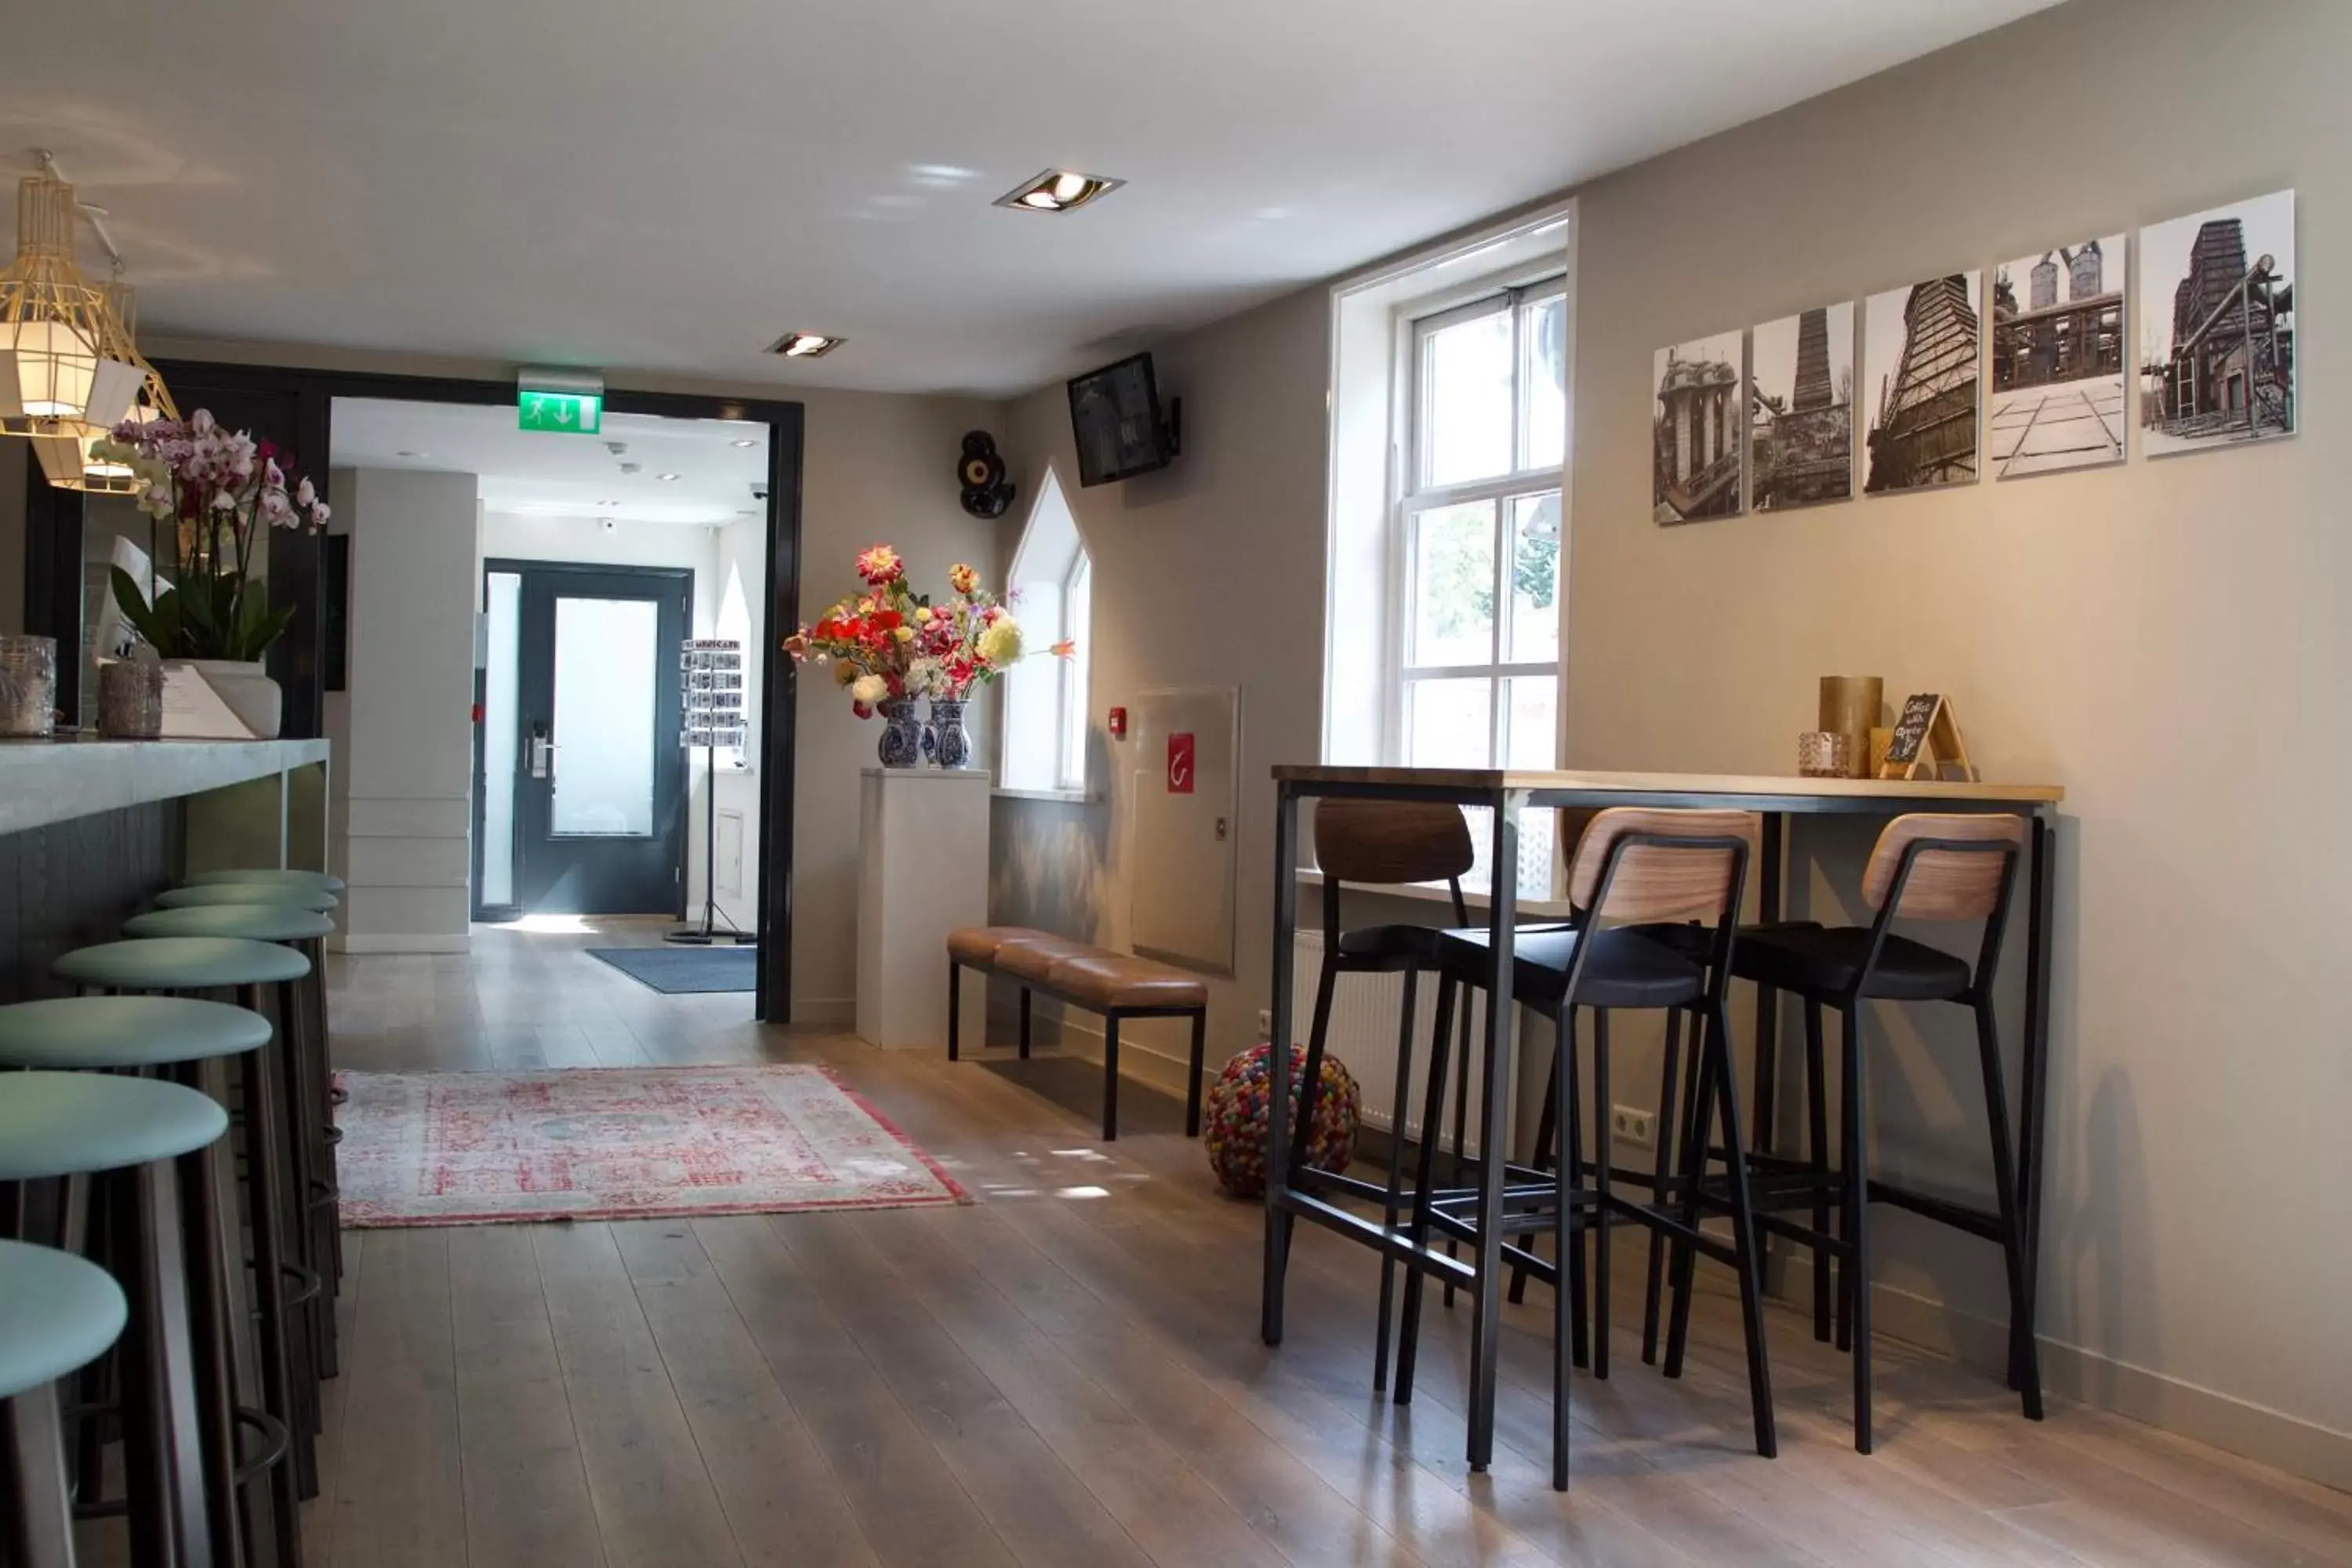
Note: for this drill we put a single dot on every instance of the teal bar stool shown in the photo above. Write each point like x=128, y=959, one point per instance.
x=142, y=1146
x=57, y=1314
x=300, y=898
x=301, y=893
x=244, y=965
x=309, y=1124
x=285, y=877
x=190, y=1040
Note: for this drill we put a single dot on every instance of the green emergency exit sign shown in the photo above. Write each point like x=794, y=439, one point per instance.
x=566, y=413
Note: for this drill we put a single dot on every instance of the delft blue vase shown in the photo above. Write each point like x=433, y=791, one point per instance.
x=945, y=739
x=902, y=733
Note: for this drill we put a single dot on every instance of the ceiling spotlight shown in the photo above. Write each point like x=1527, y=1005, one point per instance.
x=667, y=478
x=746, y=441
x=1057, y=191
x=802, y=345
x=608, y=503
x=408, y=454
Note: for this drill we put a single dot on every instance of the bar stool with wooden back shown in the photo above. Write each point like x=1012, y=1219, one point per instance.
x=1931, y=867
x=1633, y=867
x=57, y=1314
x=1382, y=843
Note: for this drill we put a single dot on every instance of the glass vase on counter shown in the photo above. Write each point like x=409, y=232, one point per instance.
x=29, y=687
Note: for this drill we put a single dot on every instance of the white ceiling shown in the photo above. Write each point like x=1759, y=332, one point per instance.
x=671, y=187
x=536, y=474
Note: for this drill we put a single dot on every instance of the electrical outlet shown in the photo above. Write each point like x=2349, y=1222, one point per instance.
x=1632, y=1124
x=1266, y=1023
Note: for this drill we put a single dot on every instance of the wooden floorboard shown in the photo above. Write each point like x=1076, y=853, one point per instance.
x=1069, y=1373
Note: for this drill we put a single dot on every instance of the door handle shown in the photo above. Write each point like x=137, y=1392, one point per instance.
x=542, y=753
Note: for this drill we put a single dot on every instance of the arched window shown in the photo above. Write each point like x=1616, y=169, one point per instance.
x=1045, y=699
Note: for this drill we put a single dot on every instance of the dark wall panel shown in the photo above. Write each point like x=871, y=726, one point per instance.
x=73, y=884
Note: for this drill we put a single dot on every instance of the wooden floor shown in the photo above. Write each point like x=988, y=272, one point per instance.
x=1069, y=1373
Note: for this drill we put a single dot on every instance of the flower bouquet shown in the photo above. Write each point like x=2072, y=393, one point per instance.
x=888, y=644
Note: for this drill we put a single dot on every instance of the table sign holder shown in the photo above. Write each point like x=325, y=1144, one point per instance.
x=1927, y=743
x=714, y=718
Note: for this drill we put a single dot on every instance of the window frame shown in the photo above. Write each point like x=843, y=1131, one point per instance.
x=1416, y=323
x=1063, y=572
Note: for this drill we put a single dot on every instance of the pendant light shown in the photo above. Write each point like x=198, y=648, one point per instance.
x=57, y=374
x=68, y=460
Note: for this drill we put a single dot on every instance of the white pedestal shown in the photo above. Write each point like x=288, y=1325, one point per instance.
x=922, y=852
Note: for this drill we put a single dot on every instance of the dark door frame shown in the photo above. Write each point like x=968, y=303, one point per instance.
x=53, y=580
x=680, y=576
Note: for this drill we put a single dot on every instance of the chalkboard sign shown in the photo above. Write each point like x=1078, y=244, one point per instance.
x=1911, y=730
x=1926, y=743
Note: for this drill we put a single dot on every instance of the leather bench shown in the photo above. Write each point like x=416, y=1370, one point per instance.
x=1117, y=985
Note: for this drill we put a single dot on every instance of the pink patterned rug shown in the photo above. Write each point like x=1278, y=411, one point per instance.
x=483, y=1148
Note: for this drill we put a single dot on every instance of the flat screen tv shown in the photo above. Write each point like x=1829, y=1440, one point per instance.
x=1120, y=427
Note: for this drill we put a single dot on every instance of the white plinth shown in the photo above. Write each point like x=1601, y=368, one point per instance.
x=922, y=852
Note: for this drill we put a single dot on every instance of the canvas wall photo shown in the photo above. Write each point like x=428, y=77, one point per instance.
x=2216, y=326
x=1696, y=422
x=1921, y=376
x=1800, y=412
x=2058, y=357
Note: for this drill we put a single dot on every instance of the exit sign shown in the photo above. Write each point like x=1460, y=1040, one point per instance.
x=566, y=413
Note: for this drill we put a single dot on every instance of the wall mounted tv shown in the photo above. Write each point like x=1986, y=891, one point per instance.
x=1121, y=429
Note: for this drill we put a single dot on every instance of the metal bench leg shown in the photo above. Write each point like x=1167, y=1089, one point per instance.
x=1024, y=1023
x=955, y=1008
x=1192, y=1081
x=1111, y=1077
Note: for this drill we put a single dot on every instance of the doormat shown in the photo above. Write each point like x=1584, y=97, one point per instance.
x=490, y=1148
x=686, y=970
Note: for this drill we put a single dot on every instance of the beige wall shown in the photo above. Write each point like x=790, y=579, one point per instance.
x=880, y=468
x=1208, y=573
x=2168, y=640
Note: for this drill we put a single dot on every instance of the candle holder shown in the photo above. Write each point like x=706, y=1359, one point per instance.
x=29, y=687
x=1824, y=755
x=129, y=700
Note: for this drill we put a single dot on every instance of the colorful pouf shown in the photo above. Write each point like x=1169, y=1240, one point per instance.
x=1233, y=1122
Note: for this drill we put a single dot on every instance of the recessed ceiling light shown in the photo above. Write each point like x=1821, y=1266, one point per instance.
x=608, y=503
x=1057, y=191
x=746, y=441
x=804, y=345
x=666, y=477
x=413, y=453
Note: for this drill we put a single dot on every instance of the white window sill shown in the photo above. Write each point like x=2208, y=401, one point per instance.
x=1063, y=796
x=1435, y=892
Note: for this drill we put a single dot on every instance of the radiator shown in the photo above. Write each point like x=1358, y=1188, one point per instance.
x=1363, y=1036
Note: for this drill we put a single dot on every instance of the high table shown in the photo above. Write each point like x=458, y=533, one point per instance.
x=1510, y=793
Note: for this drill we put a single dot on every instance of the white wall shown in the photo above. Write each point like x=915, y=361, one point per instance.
x=404, y=758
x=2167, y=640
x=739, y=610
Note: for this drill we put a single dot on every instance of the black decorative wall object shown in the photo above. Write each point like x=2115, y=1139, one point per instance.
x=987, y=493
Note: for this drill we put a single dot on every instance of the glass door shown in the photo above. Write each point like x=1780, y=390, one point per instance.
x=582, y=799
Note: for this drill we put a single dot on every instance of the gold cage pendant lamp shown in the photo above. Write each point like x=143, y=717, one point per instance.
x=58, y=375
x=72, y=462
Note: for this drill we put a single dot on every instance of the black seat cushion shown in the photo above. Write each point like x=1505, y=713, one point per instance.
x=1696, y=941
x=1624, y=969
x=1398, y=945
x=1824, y=961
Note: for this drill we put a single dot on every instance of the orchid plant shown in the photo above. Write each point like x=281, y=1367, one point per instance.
x=888, y=642
x=216, y=489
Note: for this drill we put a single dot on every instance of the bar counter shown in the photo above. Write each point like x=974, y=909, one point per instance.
x=91, y=830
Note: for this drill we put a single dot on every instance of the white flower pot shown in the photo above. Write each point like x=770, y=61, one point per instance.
x=249, y=692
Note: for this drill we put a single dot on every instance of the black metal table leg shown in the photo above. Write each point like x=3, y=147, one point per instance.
x=1764, y=1124
x=2033, y=1088
x=1277, y=1061
x=1485, y=1329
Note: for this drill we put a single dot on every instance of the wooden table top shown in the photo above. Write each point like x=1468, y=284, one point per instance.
x=1598, y=782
